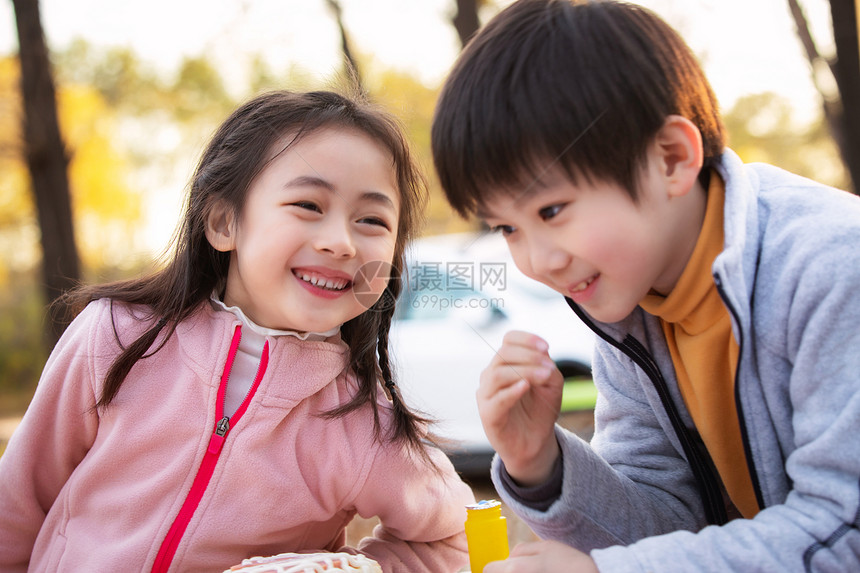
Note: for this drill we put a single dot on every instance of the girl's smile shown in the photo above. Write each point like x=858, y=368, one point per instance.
x=323, y=282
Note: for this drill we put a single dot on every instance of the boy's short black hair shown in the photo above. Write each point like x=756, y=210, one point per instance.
x=584, y=84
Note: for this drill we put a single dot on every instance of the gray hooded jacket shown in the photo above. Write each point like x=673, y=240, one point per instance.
x=641, y=496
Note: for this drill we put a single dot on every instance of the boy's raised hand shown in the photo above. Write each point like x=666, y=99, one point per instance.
x=518, y=400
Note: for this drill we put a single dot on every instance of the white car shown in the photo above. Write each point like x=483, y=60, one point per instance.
x=463, y=293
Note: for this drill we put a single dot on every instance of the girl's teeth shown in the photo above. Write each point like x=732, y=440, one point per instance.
x=330, y=284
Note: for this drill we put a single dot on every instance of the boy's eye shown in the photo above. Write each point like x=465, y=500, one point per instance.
x=549, y=212
x=505, y=230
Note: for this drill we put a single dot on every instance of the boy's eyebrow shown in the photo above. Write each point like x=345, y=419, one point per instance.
x=313, y=181
x=536, y=187
x=482, y=213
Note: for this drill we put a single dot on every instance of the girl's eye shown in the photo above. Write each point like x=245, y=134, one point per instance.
x=309, y=205
x=505, y=230
x=375, y=221
x=548, y=213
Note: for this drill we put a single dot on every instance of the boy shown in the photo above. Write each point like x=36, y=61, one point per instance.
x=723, y=296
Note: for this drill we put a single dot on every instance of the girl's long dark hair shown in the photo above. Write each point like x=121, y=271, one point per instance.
x=237, y=153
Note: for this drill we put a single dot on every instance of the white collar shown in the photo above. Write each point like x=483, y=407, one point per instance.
x=263, y=331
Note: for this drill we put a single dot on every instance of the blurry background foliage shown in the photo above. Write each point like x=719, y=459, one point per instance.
x=129, y=130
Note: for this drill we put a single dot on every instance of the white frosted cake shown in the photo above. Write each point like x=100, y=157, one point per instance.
x=308, y=563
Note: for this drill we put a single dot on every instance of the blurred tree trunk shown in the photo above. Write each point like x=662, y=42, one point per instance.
x=840, y=109
x=353, y=73
x=846, y=70
x=47, y=163
x=466, y=20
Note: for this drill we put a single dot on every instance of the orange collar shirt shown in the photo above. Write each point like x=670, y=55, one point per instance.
x=704, y=352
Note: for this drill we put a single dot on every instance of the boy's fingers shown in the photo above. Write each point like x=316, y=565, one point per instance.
x=519, y=564
x=526, y=339
x=504, y=399
x=502, y=567
x=527, y=548
x=498, y=378
x=520, y=348
x=523, y=343
x=516, y=356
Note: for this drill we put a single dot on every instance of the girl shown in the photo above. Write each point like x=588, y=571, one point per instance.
x=229, y=405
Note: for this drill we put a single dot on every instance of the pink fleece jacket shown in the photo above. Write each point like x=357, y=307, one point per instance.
x=89, y=490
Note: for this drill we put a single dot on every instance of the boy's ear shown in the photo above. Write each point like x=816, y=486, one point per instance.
x=679, y=147
x=221, y=227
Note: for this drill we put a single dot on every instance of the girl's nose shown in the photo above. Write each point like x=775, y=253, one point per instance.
x=336, y=240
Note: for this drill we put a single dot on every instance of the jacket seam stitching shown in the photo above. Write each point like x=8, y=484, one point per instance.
x=831, y=540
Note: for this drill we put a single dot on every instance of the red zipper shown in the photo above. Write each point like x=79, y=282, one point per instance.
x=210, y=458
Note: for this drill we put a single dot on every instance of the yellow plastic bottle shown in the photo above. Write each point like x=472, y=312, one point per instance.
x=486, y=533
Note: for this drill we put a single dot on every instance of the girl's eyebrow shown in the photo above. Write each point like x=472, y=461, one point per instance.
x=310, y=181
x=314, y=181
x=380, y=198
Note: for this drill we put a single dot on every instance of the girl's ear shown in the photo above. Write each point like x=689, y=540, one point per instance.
x=679, y=145
x=221, y=227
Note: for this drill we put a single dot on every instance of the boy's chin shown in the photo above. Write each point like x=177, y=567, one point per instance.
x=608, y=315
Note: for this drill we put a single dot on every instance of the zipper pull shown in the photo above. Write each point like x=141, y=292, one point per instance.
x=218, y=437
x=222, y=426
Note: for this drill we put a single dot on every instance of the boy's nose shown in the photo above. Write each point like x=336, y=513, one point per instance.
x=547, y=258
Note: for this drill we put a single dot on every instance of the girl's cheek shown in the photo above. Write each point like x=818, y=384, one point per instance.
x=373, y=276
